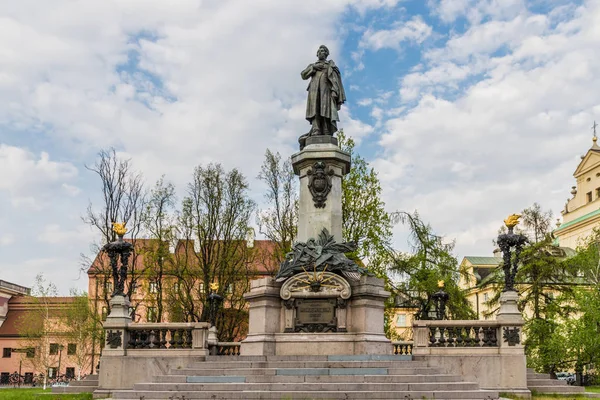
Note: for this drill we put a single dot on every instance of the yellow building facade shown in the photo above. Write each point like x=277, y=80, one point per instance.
x=582, y=211
x=475, y=271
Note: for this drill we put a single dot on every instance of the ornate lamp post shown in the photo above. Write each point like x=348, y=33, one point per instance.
x=119, y=317
x=509, y=315
x=214, y=303
x=508, y=242
x=440, y=299
x=119, y=250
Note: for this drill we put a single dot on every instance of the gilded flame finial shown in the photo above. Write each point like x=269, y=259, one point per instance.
x=441, y=284
x=512, y=220
x=119, y=228
x=214, y=286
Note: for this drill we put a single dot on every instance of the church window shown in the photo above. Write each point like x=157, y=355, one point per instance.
x=589, y=197
x=153, y=287
x=597, y=192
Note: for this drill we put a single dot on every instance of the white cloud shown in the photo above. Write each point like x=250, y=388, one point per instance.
x=505, y=140
x=57, y=234
x=7, y=239
x=476, y=10
x=414, y=30
x=29, y=179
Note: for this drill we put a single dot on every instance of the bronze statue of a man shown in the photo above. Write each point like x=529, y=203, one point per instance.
x=325, y=95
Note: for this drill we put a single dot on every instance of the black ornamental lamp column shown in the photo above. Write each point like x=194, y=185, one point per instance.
x=119, y=318
x=119, y=252
x=214, y=304
x=511, y=242
x=440, y=299
x=511, y=321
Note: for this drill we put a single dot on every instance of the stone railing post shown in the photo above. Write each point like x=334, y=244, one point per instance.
x=115, y=326
x=510, y=331
x=420, y=337
x=199, y=336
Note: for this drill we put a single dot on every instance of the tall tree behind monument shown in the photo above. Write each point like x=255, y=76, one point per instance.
x=365, y=220
x=123, y=200
x=213, y=225
x=279, y=221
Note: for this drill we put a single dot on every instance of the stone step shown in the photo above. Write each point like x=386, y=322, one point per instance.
x=74, y=389
x=557, y=389
x=350, y=357
x=291, y=395
x=305, y=371
x=84, y=383
x=304, y=387
x=537, y=376
x=546, y=382
x=304, y=364
x=413, y=378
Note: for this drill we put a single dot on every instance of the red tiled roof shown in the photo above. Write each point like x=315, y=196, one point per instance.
x=264, y=261
x=23, y=307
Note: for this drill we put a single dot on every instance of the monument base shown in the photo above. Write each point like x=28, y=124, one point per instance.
x=303, y=344
x=363, y=314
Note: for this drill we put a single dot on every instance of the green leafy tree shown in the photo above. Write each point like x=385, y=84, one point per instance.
x=83, y=328
x=579, y=346
x=364, y=218
x=415, y=275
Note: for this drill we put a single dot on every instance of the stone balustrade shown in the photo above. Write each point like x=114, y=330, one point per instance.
x=228, y=348
x=165, y=335
x=453, y=333
x=135, y=352
x=402, y=348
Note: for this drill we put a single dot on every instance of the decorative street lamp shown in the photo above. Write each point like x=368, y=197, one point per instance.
x=119, y=250
x=214, y=303
x=440, y=298
x=509, y=314
x=508, y=242
x=119, y=318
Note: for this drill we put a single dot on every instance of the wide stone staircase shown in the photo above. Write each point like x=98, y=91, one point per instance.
x=307, y=377
x=542, y=383
x=86, y=385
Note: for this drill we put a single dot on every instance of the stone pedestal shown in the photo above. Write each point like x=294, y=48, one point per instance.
x=314, y=214
x=363, y=313
x=509, y=310
x=115, y=326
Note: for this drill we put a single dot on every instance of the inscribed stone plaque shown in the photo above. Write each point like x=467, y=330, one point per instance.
x=315, y=312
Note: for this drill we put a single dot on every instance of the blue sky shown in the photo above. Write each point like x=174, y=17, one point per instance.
x=468, y=109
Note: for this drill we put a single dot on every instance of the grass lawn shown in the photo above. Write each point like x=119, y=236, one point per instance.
x=40, y=394
x=593, y=389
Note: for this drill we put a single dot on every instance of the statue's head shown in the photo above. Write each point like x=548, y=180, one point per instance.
x=323, y=52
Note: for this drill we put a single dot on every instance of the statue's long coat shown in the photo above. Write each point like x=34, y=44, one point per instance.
x=322, y=84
